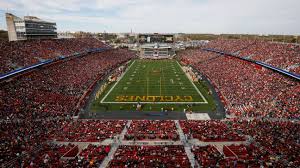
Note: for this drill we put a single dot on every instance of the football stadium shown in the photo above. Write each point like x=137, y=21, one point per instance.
x=145, y=99
x=154, y=86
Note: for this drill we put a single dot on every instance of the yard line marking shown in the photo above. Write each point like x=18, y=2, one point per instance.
x=205, y=101
x=160, y=86
x=163, y=75
x=147, y=85
x=117, y=82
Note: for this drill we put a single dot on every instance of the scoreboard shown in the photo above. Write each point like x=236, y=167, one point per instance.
x=156, y=38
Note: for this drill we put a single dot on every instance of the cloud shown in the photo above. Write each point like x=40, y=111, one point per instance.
x=196, y=16
x=6, y=4
x=109, y=4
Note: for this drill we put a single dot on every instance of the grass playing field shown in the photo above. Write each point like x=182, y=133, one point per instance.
x=155, y=84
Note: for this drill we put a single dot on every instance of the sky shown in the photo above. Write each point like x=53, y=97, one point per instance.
x=163, y=16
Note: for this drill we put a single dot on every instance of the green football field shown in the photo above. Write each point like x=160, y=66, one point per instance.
x=155, y=84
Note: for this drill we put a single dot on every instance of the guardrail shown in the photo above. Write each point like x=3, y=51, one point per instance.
x=18, y=71
x=43, y=63
x=295, y=76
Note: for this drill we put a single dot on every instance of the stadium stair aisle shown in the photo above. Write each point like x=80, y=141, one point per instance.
x=219, y=147
x=191, y=156
x=110, y=155
x=180, y=132
x=115, y=145
x=187, y=146
x=121, y=136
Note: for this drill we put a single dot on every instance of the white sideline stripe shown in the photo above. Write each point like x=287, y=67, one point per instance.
x=116, y=82
x=155, y=102
x=205, y=101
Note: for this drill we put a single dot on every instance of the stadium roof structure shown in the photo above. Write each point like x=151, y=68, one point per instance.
x=36, y=19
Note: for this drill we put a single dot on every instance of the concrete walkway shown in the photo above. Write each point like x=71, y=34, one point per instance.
x=187, y=146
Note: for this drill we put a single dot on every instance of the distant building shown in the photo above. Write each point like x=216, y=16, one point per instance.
x=156, y=46
x=155, y=38
x=30, y=27
x=156, y=51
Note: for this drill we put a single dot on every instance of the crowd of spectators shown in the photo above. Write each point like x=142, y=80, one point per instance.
x=92, y=157
x=55, y=89
x=25, y=143
x=192, y=56
x=284, y=56
x=57, y=155
x=230, y=46
x=247, y=89
x=151, y=130
x=207, y=156
x=210, y=131
x=88, y=130
x=35, y=110
x=278, y=139
x=270, y=144
x=21, y=139
x=232, y=156
x=150, y=156
x=49, y=154
x=19, y=54
x=40, y=103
